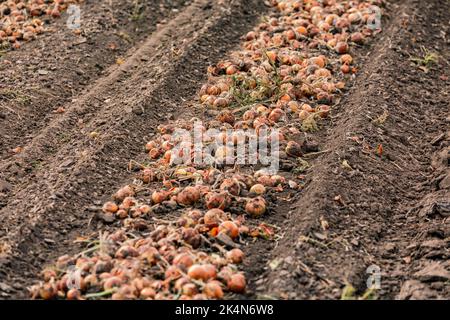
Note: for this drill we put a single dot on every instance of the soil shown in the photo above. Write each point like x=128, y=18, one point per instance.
x=377, y=194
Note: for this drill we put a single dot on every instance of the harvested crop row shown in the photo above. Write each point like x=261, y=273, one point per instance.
x=182, y=222
x=22, y=20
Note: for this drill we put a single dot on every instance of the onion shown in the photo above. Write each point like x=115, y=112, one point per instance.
x=323, y=111
x=319, y=61
x=302, y=30
x=236, y=256
x=285, y=98
x=160, y=196
x=172, y=273
x=147, y=293
x=354, y=17
x=277, y=179
x=265, y=180
x=229, y=228
x=232, y=186
x=213, y=91
x=180, y=283
x=91, y=281
x=188, y=196
x=357, y=37
x=276, y=115
x=198, y=272
x=122, y=214
x=191, y=237
x=110, y=207
x=167, y=145
x=236, y=283
x=211, y=271
x=166, y=158
x=151, y=255
x=126, y=191
x=307, y=107
x=231, y=70
x=183, y=260
x=223, y=87
x=342, y=23
x=47, y=291
x=151, y=145
x=249, y=115
x=293, y=149
x=262, y=110
x=213, y=290
x=189, y=289
x=293, y=106
x=220, y=103
x=195, y=215
x=140, y=283
x=346, y=59
x=217, y=200
x=154, y=153
x=324, y=97
x=345, y=69
x=341, y=47
x=126, y=251
x=226, y=116
x=128, y=203
x=112, y=282
x=303, y=115
x=256, y=207
x=290, y=34
x=322, y=73
x=213, y=217
x=55, y=13
x=258, y=189
x=145, y=209
x=147, y=175
x=251, y=36
x=223, y=154
x=225, y=273
x=73, y=294
x=272, y=56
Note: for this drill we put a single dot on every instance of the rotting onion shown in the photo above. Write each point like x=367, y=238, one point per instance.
x=256, y=207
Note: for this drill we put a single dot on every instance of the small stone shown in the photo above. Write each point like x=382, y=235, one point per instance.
x=320, y=236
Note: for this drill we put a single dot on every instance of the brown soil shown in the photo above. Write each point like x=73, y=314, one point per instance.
x=388, y=209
